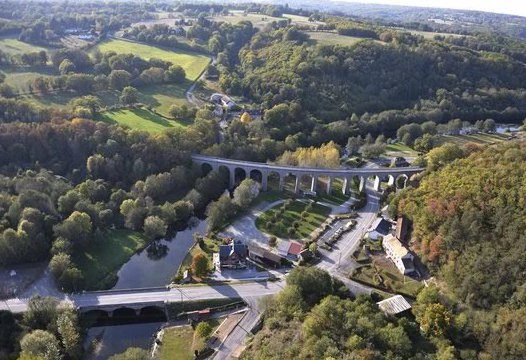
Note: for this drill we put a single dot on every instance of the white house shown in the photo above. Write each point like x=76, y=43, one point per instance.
x=396, y=251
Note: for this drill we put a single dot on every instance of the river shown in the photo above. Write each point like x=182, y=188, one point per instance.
x=157, y=264
x=154, y=266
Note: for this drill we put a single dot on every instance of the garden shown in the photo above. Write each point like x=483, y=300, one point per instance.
x=293, y=219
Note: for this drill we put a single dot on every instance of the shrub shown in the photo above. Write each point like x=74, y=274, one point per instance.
x=272, y=241
x=291, y=231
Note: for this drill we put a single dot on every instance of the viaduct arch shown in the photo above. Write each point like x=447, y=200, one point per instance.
x=392, y=174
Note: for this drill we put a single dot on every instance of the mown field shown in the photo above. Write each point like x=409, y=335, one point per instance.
x=258, y=20
x=140, y=119
x=12, y=45
x=326, y=38
x=192, y=63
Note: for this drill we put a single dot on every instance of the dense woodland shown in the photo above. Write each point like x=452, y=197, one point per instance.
x=468, y=227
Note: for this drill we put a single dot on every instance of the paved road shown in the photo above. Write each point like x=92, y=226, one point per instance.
x=117, y=298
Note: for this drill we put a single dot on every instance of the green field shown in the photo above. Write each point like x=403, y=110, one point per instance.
x=140, y=119
x=401, y=149
x=162, y=97
x=12, y=45
x=105, y=257
x=431, y=35
x=258, y=20
x=192, y=63
x=19, y=76
x=325, y=38
x=283, y=221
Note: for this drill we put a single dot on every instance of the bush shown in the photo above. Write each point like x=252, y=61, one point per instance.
x=296, y=224
x=291, y=231
x=272, y=241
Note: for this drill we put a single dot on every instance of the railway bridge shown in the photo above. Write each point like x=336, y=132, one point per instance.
x=263, y=171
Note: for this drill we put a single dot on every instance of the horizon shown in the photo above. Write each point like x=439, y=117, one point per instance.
x=507, y=7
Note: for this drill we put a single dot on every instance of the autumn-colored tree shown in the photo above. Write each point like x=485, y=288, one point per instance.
x=200, y=265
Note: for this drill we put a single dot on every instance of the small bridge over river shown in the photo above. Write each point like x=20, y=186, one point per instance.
x=263, y=171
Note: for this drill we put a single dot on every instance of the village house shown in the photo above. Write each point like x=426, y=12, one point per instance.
x=402, y=224
x=231, y=256
x=264, y=256
x=399, y=254
x=380, y=228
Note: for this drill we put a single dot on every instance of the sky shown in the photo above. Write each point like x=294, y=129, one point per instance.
x=514, y=7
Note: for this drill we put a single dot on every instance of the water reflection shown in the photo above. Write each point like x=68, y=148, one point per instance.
x=158, y=263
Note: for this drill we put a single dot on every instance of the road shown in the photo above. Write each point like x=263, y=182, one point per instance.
x=150, y=296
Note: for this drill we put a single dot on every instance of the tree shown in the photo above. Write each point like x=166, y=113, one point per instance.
x=220, y=211
x=132, y=354
x=489, y=125
x=372, y=151
x=59, y=263
x=41, y=312
x=435, y=320
x=272, y=241
x=200, y=265
x=176, y=74
x=41, y=343
x=425, y=143
x=245, y=193
x=354, y=144
x=67, y=326
x=76, y=228
x=203, y=330
x=154, y=227
x=443, y=155
x=119, y=79
x=129, y=95
x=66, y=67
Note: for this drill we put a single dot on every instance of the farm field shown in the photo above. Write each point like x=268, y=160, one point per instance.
x=61, y=100
x=481, y=139
x=326, y=38
x=431, y=35
x=192, y=63
x=12, y=45
x=140, y=119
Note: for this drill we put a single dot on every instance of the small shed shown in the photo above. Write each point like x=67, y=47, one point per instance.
x=394, y=305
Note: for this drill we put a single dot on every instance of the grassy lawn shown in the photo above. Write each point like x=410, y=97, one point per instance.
x=140, y=119
x=12, y=45
x=210, y=247
x=384, y=274
x=325, y=38
x=400, y=148
x=272, y=195
x=61, y=100
x=180, y=342
x=192, y=63
x=106, y=257
x=313, y=219
x=337, y=197
x=162, y=97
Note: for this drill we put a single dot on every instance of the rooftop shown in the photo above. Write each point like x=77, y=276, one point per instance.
x=394, y=305
x=395, y=245
x=382, y=226
x=401, y=228
x=295, y=248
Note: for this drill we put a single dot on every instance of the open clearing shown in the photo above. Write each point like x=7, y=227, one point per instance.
x=12, y=45
x=140, y=119
x=481, y=139
x=192, y=63
x=104, y=258
x=329, y=38
x=258, y=20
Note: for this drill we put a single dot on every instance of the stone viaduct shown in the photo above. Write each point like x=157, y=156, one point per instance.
x=264, y=171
